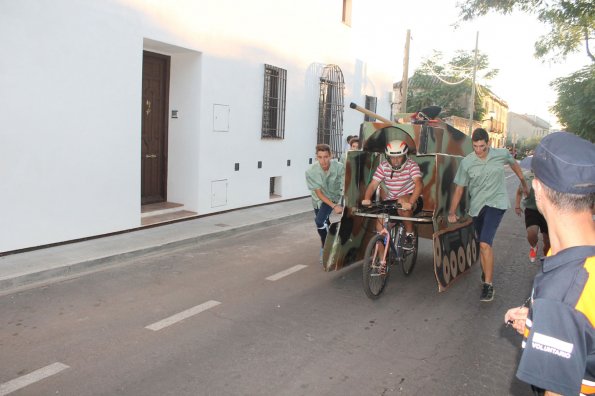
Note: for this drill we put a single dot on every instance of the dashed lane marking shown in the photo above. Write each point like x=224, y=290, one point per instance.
x=288, y=271
x=182, y=315
x=37, y=375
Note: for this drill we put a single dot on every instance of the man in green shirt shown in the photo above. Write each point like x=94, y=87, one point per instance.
x=482, y=172
x=325, y=181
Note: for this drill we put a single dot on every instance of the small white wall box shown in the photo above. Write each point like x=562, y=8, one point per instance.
x=220, y=118
x=218, y=193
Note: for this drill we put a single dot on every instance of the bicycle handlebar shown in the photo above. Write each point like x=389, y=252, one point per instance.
x=382, y=209
x=384, y=205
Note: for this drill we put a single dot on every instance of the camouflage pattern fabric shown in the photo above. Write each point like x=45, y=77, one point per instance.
x=438, y=149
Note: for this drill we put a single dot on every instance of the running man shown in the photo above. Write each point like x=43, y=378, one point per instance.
x=482, y=172
x=534, y=221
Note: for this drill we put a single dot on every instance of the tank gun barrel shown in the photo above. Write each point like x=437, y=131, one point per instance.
x=369, y=113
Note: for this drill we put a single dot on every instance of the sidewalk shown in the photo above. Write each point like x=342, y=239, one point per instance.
x=40, y=266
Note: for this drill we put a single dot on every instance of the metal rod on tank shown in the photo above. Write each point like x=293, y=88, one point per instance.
x=370, y=113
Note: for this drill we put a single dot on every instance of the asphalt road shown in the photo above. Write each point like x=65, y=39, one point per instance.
x=235, y=332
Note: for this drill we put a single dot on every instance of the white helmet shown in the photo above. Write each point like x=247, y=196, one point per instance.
x=396, y=148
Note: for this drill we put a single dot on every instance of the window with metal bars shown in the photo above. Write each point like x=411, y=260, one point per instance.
x=330, y=109
x=370, y=105
x=273, y=102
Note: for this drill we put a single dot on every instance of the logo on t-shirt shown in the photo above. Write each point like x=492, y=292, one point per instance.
x=552, y=345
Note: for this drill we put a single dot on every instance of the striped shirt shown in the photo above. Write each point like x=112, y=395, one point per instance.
x=399, y=182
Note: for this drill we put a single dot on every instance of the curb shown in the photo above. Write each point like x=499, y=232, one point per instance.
x=69, y=271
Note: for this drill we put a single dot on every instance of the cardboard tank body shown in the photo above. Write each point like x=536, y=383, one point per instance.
x=438, y=149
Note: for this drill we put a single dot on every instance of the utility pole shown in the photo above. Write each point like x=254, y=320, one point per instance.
x=405, y=79
x=472, y=98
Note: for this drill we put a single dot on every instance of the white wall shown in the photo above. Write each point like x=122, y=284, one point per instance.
x=69, y=110
x=70, y=79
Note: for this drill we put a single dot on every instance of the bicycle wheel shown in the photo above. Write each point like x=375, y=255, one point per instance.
x=410, y=256
x=374, y=279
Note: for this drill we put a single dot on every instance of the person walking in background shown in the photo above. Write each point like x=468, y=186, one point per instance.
x=325, y=182
x=559, y=337
x=482, y=172
x=347, y=146
x=353, y=146
x=534, y=221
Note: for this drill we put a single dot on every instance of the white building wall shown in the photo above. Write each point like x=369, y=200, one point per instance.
x=526, y=126
x=71, y=77
x=69, y=105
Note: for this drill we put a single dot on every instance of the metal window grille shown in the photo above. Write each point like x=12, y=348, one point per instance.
x=330, y=109
x=370, y=105
x=273, y=102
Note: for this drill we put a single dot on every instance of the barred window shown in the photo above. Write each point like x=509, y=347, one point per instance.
x=370, y=105
x=330, y=109
x=273, y=103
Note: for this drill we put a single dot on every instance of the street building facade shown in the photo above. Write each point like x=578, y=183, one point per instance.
x=118, y=112
x=526, y=126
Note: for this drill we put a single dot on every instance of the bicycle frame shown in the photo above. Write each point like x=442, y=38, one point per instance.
x=390, y=241
x=393, y=232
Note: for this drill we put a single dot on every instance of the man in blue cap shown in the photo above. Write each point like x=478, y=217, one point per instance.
x=558, y=327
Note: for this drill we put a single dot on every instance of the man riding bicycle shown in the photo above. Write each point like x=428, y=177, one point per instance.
x=403, y=180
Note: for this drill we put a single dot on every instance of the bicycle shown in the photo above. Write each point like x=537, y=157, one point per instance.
x=378, y=259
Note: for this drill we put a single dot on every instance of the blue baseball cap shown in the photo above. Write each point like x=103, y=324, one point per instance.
x=565, y=163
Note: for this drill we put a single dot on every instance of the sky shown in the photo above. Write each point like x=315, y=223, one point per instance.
x=523, y=81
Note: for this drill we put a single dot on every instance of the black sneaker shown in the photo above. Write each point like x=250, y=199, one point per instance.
x=408, y=244
x=487, y=292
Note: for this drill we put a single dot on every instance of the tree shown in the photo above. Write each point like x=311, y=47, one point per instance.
x=572, y=26
x=572, y=23
x=576, y=102
x=448, y=84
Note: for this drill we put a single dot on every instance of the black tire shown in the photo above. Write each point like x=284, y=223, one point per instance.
x=410, y=256
x=373, y=282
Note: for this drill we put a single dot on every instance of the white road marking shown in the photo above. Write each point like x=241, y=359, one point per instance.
x=37, y=375
x=288, y=271
x=514, y=174
x=182, y=315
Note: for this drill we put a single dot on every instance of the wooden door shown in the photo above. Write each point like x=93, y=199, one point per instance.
x=154, y=127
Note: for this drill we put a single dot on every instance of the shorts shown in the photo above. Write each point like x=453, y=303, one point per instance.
x=534, y=218
x=486, y=223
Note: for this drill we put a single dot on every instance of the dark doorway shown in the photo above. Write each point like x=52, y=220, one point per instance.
x=154, y=127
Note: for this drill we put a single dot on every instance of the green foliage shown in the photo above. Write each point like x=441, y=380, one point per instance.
x=572, y=23
x=576, y=102
x=448, y=83
x=524, y=146
x=572, y=27
x=528, y=144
